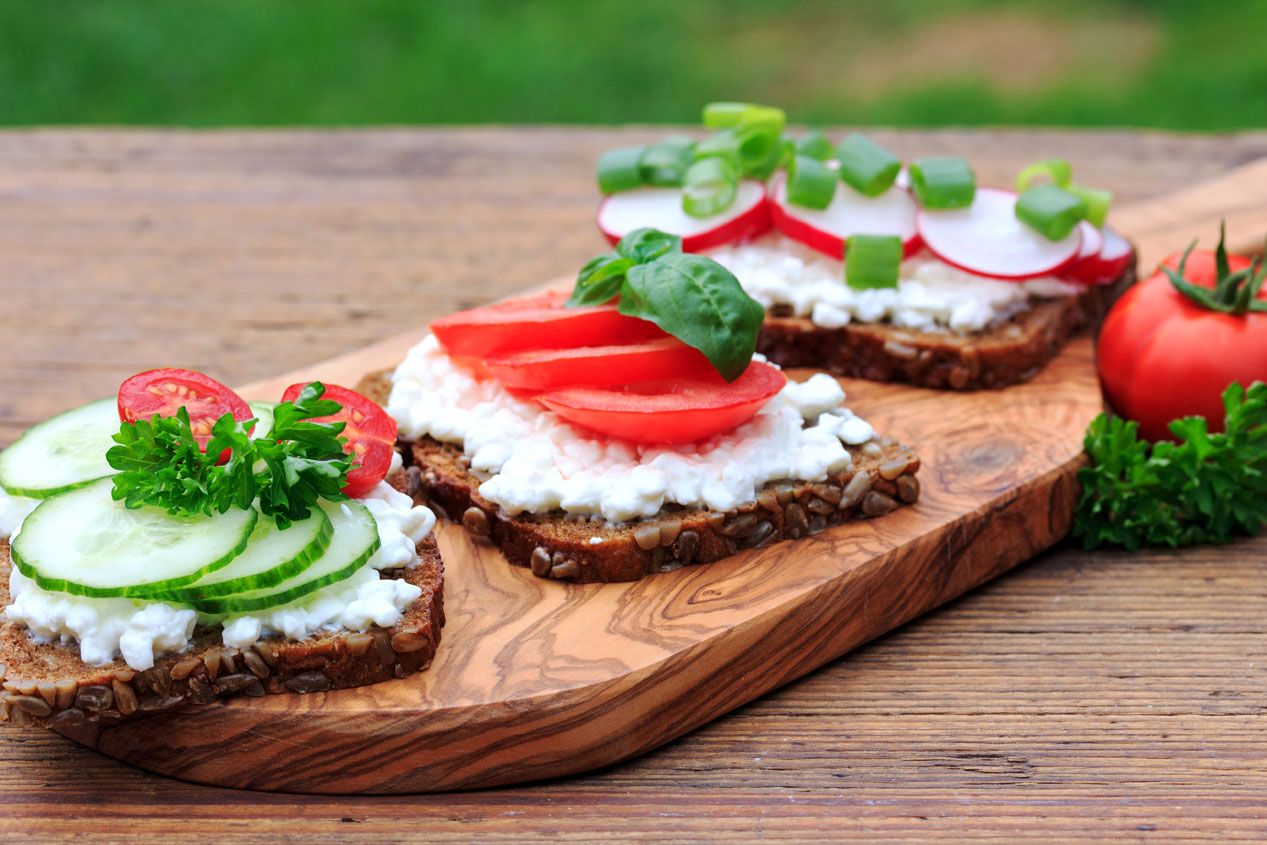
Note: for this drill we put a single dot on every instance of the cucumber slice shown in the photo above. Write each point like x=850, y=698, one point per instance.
x=263, y=412
x=272, y=555
x=83, y=542
x=355, y=541
x=62, y=453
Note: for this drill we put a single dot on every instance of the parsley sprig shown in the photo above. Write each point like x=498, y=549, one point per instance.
x=1205, y=488
x=300, y=461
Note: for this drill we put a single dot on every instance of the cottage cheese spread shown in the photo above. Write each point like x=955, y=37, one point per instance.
x=930, y=296
x=536, y=462
x=13, y=509
x=140, y=632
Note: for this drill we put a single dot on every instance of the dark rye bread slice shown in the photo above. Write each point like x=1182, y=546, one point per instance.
x=1009, y=353
x=558, y=545
x=49, y=685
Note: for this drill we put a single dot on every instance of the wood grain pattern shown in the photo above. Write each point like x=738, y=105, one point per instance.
x=538, y=679
x=1082, y=697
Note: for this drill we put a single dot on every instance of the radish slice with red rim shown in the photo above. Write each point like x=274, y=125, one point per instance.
x=661, y=208
x=986, y=239
x=1108, y=263
x=850, y=213
x=1092, y=241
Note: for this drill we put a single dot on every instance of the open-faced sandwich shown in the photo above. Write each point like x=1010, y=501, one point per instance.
x=871, y=268
x=630, y=428
x=179, y=545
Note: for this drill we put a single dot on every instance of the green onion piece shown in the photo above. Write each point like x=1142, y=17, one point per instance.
x=872, y=261
x=866, y=166
x=1050, y=211
x=620, y=169
x=943, y=182
x=711, y=186
x=723, y=144
x=664, y=163
x=810, y=183
x=760, y=151
x=1097, y=202
x=1054, y=170
x=815, y=145
x=724, y=115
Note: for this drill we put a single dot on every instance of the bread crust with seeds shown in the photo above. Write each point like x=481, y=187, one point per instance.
x=49, y=685
x=1006, y=354
x=560, y=546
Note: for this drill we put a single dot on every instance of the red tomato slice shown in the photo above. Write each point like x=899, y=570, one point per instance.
x=537, y=322
x=669, y=410
x=167, y=390
x=370, y=432
x=598, y=366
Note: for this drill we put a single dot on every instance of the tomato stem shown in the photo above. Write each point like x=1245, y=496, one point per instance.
x=1233, y=293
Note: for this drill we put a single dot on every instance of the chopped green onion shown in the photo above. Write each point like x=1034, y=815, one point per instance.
x=943, y=182
x=724, y=115
x=1054, y=170
x=760, y=151
x=815, y=145
x=810, y=183
x=1050, y=211
x=711, y=187
x=866, y=166
x=620, y=169
x=723, y=144
x=664, y=163
x=872, y=261
x=1097, y=202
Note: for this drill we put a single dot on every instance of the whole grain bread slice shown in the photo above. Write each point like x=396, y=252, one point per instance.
x=582, y=549
x=1005, y=354
x=47, y=684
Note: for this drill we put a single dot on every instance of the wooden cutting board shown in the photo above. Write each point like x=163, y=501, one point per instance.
x=536, y=679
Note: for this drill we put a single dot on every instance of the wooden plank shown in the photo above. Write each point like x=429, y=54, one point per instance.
x=1129, y=686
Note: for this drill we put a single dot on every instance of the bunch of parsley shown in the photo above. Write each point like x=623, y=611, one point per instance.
x=161, y=464
x=1203, y=488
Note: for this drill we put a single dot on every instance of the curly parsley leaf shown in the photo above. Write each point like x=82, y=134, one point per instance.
x=299, y=462
x=1203, y=488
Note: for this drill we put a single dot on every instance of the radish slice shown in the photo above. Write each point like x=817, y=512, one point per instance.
x=661, y=208
x=850, y=213
x=1108, y=263
x=986, y=239
x=1092, y=241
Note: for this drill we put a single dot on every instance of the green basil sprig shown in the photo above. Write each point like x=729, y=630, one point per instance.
x=691, y=297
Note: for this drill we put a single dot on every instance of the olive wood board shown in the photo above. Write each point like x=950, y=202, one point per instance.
x=537, y=679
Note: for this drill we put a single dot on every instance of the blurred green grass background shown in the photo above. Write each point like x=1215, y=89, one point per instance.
x=1181, y=64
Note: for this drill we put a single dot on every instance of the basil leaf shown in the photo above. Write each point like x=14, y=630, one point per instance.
x=643, y=245
x=599, y=280
x=699, y=302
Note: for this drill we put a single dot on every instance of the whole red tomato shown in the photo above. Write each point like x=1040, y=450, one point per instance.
x=1165, y=354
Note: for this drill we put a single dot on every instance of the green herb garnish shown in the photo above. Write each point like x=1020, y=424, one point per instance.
x=943, y=182
x=1206, y=488
x=866, y=166
x=691, y=297
x=1050, y=210
x=161, y=464
x=873, y=261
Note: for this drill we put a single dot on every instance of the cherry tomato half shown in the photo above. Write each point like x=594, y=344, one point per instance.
x=598, y=366
x=537, y=322
x=165, y=391
x=678, y=410
x=370, y=433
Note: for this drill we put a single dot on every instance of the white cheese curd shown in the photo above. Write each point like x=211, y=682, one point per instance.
x=104, y=628
x=536, y=462
x=140, y=632
x=354, y=604
x=931, y=295
x=13, y=510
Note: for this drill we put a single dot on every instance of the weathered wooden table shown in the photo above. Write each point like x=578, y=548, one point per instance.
x=1084, y=696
